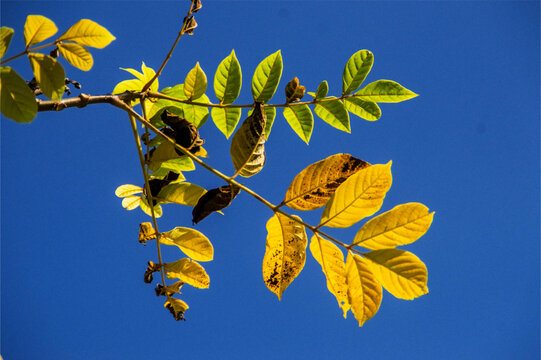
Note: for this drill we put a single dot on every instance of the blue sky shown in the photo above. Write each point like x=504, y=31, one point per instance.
x=467, y=147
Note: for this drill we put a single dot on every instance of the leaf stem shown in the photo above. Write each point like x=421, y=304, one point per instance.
x=26, y=51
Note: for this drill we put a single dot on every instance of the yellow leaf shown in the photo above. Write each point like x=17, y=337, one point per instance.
x=181, y=193
x=38, y=28
x=165, y=151
x=146, y=208
x=314, y=186
x=176, y=307
x=331, y=260
x=131, y=202
x=76, y=55
x=248, y=144
x=49, y=74
x=128, y=189
x=188, y=271
x=146, y=232
x=402, y=225
x=400, y=272
x=191, y=242
x=6, y=34
x=128, y=85
x=364, y=292
x=285, y=253
x=361, y=195
x=87, y=32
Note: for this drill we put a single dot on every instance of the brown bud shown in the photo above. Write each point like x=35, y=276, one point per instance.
x=146, y=232
x=294, y=91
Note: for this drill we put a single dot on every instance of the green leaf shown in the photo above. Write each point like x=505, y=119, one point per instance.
x=322, y=90
x=49, y=74
x=17, y=101
x=301, y=120
x=179, y=164
x=361, y=195
x=355, y=71
x=228, y=80
x=385, y=91
x=195, y=83
x=192, y=243
x=5, y=39
x=38, y=28
x=87, y=32
x=196, y=114
x=188, y=271
x=266, y=77
x=334, y=113
x=226, y=119
x=76, y=55
x=367, y=110
x=181, y=193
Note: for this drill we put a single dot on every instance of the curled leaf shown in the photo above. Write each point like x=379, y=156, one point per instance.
x=294, y=91
x=146, y=232
x=188, y=271
x=248, y=144
x=184, y=132
x=151, y=269
x=176, y=307
x=169, y=290
x=214, y=200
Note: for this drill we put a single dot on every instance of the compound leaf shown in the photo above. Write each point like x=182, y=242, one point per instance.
x=367, y=110
x=226, y=119
x=266, y=77
x=38, y=28
x=195, y=84
x=333, y=113
x=355, y=71
x=301, y=120
x=400, y=272
x=17, y=101
x=363, y=290
x=402, y=225
x=385, y=91
x=192, y=243
x=361, y=195
x=228, y=80
x=76, y=55
x=49, y=74
x=314, y=186
x=332, y=263
x=6, y=34
x=181, y=193
x=248, y=144
x=285, y=252
x=188, y=271
x=87, y=32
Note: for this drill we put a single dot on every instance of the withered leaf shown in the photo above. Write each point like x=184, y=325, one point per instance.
x=214, y=200
x=151, y=268
x=196, y=6
x=190, y=25
x=156, y=185
x=168, y=290
x=183, y=132
x=294, y=91
x=248, y=143
x=146, y=232
x=176, y=307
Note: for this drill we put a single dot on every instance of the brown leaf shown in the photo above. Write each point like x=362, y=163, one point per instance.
x=248, y=144
x=183, y=132
x=146, y=232
x=196, y=6
x=214, y=200
x=294, y=92
x=151, y=268
x=176, y=307
x=156, y=185
x=168, y=290
x=190, y=25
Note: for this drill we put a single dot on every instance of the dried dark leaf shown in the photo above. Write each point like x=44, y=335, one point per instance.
x=214, y=200
x=294, y=91
x=196, y=6
x=146, y=232
x=183, y=132
x=151, y=268
x=191, y=24
x=168, y=290
x=156, y=185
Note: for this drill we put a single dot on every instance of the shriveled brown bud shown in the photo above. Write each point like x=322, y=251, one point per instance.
x=294, y=91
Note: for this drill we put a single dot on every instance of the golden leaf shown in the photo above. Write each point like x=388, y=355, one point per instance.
x=193, y=243
x=188, y=271
x=176, y=307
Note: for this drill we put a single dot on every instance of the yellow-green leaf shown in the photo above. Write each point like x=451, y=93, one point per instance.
x=6, y=34
x=128, y=189
x=364, y=292
x=361, y=195
x=164, y=152
x=176, y=307
x=137, y=84
x=76, y=55
x=195, y=84
x=266, y=77
x=314, y=186
x=248, y=144
x=49, y=74
x=188, y=271
x=322, y=90
x=17, y=101
x=226, y=119
x=402, y=225
x=128, y=85
x=192, y=243
x=332, y=263
x=181, y=193
x=333, y=113
x=385, y=91
x=367, y=110
x=355, y=71
x=38, y=28
x=131, y=202
x=87, y=32
x=285, y=252
x=301, y=120
x=400, y=272
x=146, y=208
